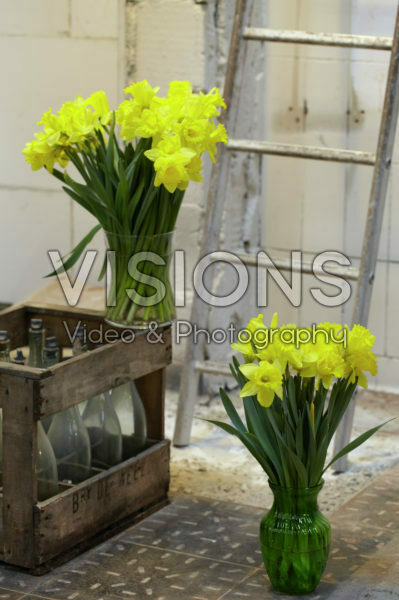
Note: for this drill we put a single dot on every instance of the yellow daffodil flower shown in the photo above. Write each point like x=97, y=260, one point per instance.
x=358, y=355
x=75, y=123
x=183, y=116
x=246, y=349
x=264, y=381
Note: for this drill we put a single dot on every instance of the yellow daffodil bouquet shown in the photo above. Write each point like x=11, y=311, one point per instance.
x=132, y=167
x=296, y=385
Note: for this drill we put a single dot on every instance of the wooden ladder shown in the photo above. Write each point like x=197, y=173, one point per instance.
x=381, y=161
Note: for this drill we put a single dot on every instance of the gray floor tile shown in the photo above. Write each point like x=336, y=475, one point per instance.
x=141, y=572
x=213, y=529
x=198, y=549
x=6, y=594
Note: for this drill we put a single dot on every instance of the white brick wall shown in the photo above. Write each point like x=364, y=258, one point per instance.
x=48, y=18
x=50, y=51
x=165, y=41
x=321, y=205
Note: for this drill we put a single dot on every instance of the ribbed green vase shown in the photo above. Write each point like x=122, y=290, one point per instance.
x=295, y=540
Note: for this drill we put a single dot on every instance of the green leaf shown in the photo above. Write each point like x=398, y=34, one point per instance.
x=319, y=404
x=248, y=441
x=79, y=200
x=103, y=269
x=231, y=411
x=76, y=252
x=356, y=443
x=299, y=467
x=339, y=406
x=299, y=437
x=292, y=400
x=285, y=472
x=234, y=373
x=312, y=451
x=258, y=416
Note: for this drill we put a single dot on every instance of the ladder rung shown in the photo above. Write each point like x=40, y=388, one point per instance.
x=295, y=150
x=285, y=264
x=318, y=39
x=206, y=366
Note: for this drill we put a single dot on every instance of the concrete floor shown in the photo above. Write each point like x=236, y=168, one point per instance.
x=216, y=465
x=199, y=549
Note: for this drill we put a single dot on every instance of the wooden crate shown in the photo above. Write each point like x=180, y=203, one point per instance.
x=35, y=532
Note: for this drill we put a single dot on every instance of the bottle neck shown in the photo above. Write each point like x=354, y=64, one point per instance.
x=50, y=357
x=35, y=348
x=70, y=414
x=79, y=347
x=295, y=501
x=98, y=401
x=4, y=355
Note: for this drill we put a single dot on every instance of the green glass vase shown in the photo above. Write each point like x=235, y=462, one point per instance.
x=295, y=540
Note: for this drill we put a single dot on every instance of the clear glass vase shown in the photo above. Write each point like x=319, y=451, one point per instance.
x=131, y=413
x=104, y=431
x=295, y=540
x=139, y=291
x=71, y=444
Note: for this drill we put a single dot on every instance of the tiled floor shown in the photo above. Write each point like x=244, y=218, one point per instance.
x=209, y=550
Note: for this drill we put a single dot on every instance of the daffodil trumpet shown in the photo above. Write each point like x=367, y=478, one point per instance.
x=133, y=181
x=295, y=395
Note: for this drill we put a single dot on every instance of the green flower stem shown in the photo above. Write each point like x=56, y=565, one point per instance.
x=119, y=190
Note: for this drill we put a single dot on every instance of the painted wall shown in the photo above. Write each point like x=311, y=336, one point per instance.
x=50, y=51
x=312, y=95
x=54, y=49
x=333, y=98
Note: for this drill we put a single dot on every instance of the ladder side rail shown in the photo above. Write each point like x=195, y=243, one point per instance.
x=374, y=220
x=212, y=224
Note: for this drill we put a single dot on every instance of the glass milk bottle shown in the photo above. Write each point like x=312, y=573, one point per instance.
x=19, y=358
x=46, y=466
x=71, y=444
x=50, y=356
x=79, y=342
x=36, y=333
x=131, y=413
x=4, y=346
x=104, y=430
x=67, y=432
x=79, y=346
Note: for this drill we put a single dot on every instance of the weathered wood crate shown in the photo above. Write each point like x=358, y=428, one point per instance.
x=34, y=533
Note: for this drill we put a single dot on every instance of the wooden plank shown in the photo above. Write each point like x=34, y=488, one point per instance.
x=79, y=513
x=152, y=391
x=19, y=482
x=13, y=319
x=44, y=309
x=22, y=371
x=299, y=151
x=262, y=260
x=98, y=538
x=342, y=40
x=89, y=374
x=62, y=321
x=213, y=368
x=17, y=371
